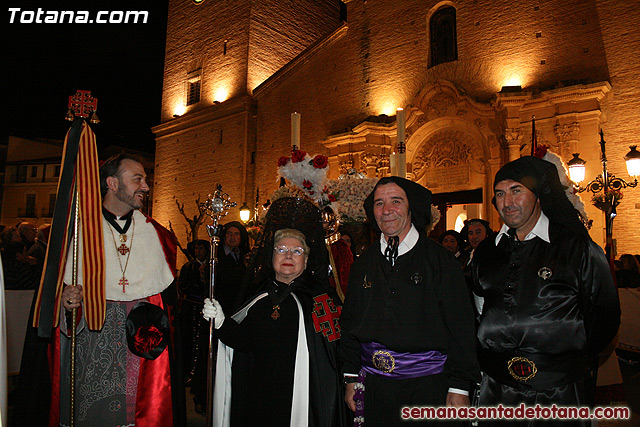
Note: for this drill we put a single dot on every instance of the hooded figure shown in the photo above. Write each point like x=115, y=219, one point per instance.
x=407, y=323
x=550, y=305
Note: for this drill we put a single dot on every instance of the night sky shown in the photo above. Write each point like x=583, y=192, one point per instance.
x=121, y=64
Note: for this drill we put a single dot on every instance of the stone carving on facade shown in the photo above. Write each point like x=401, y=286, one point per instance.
x=370, y=159
x=449, y=154
x=567, y=137
x=440, y=104
x=494, y=146
x=512, y=136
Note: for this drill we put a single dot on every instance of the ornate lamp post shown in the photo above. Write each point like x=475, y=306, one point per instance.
x=607, y=183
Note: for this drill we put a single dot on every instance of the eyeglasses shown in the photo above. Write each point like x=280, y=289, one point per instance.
x=282, y=250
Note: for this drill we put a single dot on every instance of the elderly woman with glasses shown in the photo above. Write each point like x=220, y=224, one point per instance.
x=282, y=344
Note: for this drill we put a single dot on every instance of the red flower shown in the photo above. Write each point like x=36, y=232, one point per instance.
x=307, y=184
x=283, y=161
x=540, y=151
x=147, y=338
x=332, y=198
x=320, y=161
x=298, y=156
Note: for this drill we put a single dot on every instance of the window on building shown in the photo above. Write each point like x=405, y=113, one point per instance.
x=194, y=86
x=442, y=32
x=56, y=171
x=34, y=171
x=30, y=208
x=22, y=174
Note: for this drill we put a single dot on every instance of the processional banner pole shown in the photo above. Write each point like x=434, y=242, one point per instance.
x=77, y=211
x=216, y=206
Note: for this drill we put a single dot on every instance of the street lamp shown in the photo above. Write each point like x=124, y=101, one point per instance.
x=245, y=213
x=604, y=182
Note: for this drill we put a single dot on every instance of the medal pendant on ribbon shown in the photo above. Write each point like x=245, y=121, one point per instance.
x=276, y=314
x=123, y=238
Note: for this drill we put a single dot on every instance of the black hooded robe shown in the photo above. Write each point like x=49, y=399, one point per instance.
x=419, y=305
x=554, y=304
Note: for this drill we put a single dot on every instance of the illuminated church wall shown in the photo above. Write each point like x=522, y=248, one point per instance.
x=379, y=60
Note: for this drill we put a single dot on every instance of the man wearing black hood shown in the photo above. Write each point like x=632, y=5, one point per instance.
x=550, y=304
x=407, y=323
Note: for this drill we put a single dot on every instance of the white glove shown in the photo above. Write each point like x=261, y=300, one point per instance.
x=212, y=310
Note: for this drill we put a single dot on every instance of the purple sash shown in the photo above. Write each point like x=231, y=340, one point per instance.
x=378, y=360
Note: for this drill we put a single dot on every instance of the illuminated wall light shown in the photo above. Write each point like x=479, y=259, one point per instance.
x=179, y=110
x=388, y=108
x=513, y=80
x=221, y=95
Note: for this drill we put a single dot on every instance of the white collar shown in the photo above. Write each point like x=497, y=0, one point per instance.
x=407, y=243
x=541, y=230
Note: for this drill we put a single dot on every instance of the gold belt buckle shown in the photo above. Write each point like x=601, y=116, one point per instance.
x=521, y=368
x=383, y=361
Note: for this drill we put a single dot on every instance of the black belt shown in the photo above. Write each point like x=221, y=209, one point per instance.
x=533, y=370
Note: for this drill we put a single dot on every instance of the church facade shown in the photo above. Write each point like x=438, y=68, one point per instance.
x=470, y=75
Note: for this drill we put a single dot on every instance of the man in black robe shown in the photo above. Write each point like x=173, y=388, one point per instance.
x=407, y=323
x=193, y=283
x=231, y=265
x=550, y=305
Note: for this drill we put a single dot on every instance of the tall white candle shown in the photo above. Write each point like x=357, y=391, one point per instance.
x=401, y=168
x=393, y=163
x=295, y=131
x=401, y=158
x=400, y=121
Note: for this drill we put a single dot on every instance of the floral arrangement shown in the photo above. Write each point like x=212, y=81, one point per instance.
x=309, y=178
x=435, y=218
x=305, y=172
x=346, y=197
x=542, y=152
x=605, y=201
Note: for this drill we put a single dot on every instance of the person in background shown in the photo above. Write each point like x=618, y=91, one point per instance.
x=193, y=286
x=19, y=274
x=231, y=264
x=28, y=233
x=454, y=243
x=628, y=276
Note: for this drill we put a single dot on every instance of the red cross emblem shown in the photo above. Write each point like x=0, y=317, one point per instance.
x=123, y=249
x=124, y=282
x=82, y=103
x=325, y=317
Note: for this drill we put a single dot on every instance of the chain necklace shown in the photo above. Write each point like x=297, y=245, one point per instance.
x=121, y=251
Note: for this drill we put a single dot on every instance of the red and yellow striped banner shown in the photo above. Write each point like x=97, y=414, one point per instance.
x=79, y=177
